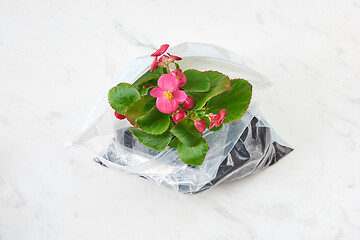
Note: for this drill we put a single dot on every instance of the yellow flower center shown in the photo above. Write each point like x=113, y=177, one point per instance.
x=168, y=95
x=178, y=77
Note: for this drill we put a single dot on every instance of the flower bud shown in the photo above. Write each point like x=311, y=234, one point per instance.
x=119, y=116
x=188, y=103
x=179, y=115
x=200, y=125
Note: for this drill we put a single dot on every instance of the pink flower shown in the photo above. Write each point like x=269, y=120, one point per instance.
x=212, y=116
x=179, y=115
x=165, y=60
x=161, y=50
x=119, y=116
x=179, y=74
x=168, y=94
x=188, y=103
x=200, y=125
x=219, y=119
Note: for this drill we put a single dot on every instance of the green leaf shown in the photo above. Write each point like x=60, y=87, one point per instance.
x=119, y=108
x=155, y=142
x=122, y=96
x=196, y=81
x=236, y=101
x=139, y=108
x=154, y=122
x=145, y=91
x=193, y=155
x=149, y=76
x=152, y=81
x=174, y=143
x=186, y=132
x=177, y=65
x=218, y=84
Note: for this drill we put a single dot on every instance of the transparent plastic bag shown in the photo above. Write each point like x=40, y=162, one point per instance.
x=237, y=150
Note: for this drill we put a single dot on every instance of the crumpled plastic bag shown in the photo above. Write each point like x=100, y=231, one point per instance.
x=240, y=148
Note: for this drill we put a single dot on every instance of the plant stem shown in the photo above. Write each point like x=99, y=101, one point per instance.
x=167, y=68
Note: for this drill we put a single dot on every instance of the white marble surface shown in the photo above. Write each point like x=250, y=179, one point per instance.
x=55, y=57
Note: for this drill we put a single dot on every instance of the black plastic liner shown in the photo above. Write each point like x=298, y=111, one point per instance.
x=255, y=150
x=253, y=138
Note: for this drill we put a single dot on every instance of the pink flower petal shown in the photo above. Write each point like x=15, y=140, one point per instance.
x=166, y=105
x=157, y=92
x=179, y=75
x=168, y=82
x=179, y=95
x=154, y=64
x=217, y=123
x=219, y=119
x=161, y=50
x=211, y=124
x=174, y=57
